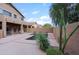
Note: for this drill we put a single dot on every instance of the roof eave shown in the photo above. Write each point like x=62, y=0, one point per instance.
x=16, y=9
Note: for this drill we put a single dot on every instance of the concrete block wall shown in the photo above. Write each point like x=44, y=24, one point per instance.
x=72, y=46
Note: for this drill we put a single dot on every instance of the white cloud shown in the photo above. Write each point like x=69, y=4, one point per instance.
x=35, y=12
x=44, y=17
x=31, y=19
x=41, y=20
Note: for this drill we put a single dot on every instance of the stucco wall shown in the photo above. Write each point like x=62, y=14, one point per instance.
x=73, y=43
x=10, y=9
x=1, y=33
x=44, y=30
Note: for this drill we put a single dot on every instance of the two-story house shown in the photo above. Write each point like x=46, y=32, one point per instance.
x=11, y=20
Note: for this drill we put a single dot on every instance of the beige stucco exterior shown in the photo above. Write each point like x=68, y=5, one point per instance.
x=11, y=25
x=5, y=20
x=9, y=8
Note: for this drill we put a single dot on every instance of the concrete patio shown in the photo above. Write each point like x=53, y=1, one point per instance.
x=18, y=45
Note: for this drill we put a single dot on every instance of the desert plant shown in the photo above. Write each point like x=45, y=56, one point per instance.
x=42, y=40
x=53, y=51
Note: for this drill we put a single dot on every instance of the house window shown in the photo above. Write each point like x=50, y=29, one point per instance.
x=7, y=13
x=1, y=11
x=15, y=16
x=22, y=18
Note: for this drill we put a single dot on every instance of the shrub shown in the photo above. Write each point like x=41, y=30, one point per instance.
x=42, y=40
x=53, y=51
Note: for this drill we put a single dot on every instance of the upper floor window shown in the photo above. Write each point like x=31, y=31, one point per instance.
x=7, y=13
x=22, y=18
x=15, y=16
x=1, y=11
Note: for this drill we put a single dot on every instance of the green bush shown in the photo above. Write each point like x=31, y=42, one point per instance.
x=42, y=40
x=53, y=51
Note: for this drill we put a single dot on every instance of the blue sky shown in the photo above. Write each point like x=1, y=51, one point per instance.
x=35, y=12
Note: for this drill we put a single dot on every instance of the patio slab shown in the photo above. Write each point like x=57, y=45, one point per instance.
x=18, y=45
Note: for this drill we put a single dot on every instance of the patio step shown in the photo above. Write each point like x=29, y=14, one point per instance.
x=53, y=42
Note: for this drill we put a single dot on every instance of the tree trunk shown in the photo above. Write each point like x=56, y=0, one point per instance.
x=64, y=38
x=60, y=40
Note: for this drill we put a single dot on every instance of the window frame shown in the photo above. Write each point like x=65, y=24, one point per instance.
x=7, y=13
x=14, y=15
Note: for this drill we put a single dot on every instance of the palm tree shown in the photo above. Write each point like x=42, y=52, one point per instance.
x=56, y=13
x=61, y=15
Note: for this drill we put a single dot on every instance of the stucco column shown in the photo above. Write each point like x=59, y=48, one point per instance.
x=31, y=26
x=4, y=28
x=22, y=31
x=27, y=28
